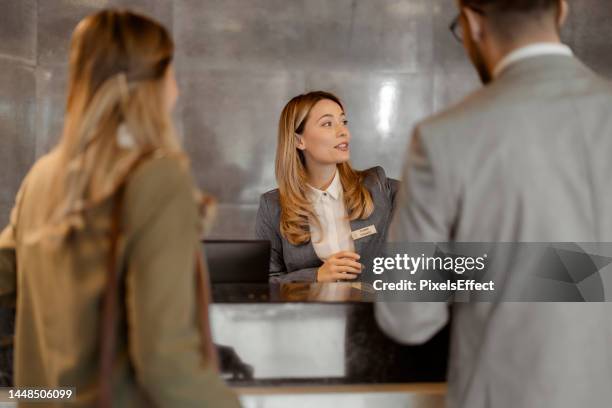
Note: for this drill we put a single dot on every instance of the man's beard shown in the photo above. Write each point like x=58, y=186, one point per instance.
x=479, y=63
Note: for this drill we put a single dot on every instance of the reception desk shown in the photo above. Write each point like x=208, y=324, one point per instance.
x=304, y=344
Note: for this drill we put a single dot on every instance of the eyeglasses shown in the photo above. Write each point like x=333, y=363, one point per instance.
x=456, y=28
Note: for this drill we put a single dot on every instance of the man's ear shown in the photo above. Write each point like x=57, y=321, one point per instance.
x=300, y=142
x=563, y=13
x=474, y=24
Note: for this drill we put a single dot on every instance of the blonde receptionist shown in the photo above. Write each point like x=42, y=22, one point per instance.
x=326, y=220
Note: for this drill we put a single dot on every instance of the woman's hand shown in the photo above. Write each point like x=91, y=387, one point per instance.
x=340, y=266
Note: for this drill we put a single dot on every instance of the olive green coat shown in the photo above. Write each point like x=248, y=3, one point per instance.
x=59, y=294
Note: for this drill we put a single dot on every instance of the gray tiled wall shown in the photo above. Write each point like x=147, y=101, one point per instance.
x=391, y=61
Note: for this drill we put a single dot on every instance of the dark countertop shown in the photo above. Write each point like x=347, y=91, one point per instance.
x=299, y=335
x=291, y=292
x=314, y=334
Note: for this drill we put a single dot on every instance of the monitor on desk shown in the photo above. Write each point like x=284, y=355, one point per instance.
x=242, y=261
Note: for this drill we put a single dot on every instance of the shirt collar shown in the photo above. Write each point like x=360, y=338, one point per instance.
x=334, y=190
x=529, y=51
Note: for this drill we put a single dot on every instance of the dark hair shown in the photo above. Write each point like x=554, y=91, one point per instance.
x=516, y=6
x=512, y=17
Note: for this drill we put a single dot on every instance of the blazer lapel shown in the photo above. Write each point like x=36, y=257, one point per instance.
x=307, y=252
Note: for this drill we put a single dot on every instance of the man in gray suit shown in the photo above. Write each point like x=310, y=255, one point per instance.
x=526, y=158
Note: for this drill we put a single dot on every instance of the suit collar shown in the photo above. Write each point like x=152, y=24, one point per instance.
x=543, y=67
x=531, y=51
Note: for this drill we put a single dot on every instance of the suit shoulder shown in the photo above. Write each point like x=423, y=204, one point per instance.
x=376, y=176
x=600, y=86
x=270, y=197
x=375, y=173
x=270, y=202
x=378, y=172
x=268, y=215
x=474, y=104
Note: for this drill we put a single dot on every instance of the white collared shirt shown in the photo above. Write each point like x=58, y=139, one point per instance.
x=335, y=233
x=533, y=50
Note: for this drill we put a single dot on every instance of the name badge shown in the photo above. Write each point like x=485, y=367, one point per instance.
x=364, y=232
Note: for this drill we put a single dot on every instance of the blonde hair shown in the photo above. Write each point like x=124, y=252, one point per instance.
x=292, y=176
x=118, y=62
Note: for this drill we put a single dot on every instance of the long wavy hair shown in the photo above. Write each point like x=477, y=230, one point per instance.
x=292, y=175
x=118, y=63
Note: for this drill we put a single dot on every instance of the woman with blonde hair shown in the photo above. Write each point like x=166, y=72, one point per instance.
x=326, y=220
x=102, y=240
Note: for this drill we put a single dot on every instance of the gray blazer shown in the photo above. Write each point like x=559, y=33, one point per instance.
x=528, y=158
x=299, y=263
